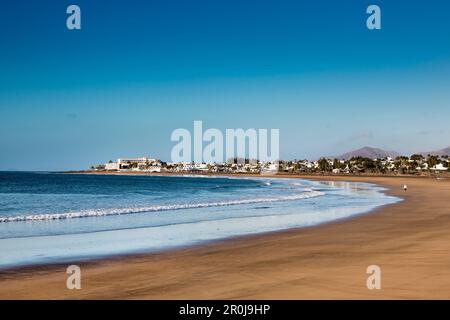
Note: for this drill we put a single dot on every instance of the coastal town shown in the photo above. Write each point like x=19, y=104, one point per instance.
x=416, y=164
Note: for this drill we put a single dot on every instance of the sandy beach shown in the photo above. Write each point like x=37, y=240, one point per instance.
x=408, y=240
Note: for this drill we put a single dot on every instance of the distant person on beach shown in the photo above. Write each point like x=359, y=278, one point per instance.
x=405, y=187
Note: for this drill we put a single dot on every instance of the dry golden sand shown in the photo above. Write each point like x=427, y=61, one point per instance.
x=410, y=241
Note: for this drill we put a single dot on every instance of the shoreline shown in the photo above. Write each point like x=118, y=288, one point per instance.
x=118, y=256
x=86, y=259
x=312, y=176
x=35, y=277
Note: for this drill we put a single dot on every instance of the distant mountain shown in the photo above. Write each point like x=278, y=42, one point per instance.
x=369, y=152
x=442, y=152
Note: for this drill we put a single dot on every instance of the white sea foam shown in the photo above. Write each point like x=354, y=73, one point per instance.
x=309, y=193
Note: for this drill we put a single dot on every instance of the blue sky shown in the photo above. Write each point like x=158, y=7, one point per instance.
x=140, y=69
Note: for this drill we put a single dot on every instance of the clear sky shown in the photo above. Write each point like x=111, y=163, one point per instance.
x=137, y=70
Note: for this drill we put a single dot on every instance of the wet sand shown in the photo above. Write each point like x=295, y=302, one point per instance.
x=410, y=241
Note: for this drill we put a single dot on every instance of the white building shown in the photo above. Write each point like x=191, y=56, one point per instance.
x=135, y=164
x=269, y=168
x=201, y=167
x=439, y=167
x=125, y=163
x=112, y=166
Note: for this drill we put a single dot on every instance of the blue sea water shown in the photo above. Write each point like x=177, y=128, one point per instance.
x=51, y=217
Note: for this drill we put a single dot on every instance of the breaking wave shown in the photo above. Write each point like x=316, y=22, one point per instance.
x=155, y=208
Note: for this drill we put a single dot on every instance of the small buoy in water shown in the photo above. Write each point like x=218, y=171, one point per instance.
x=405, y=187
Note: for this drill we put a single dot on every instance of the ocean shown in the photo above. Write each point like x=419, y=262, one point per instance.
x=53, y=217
